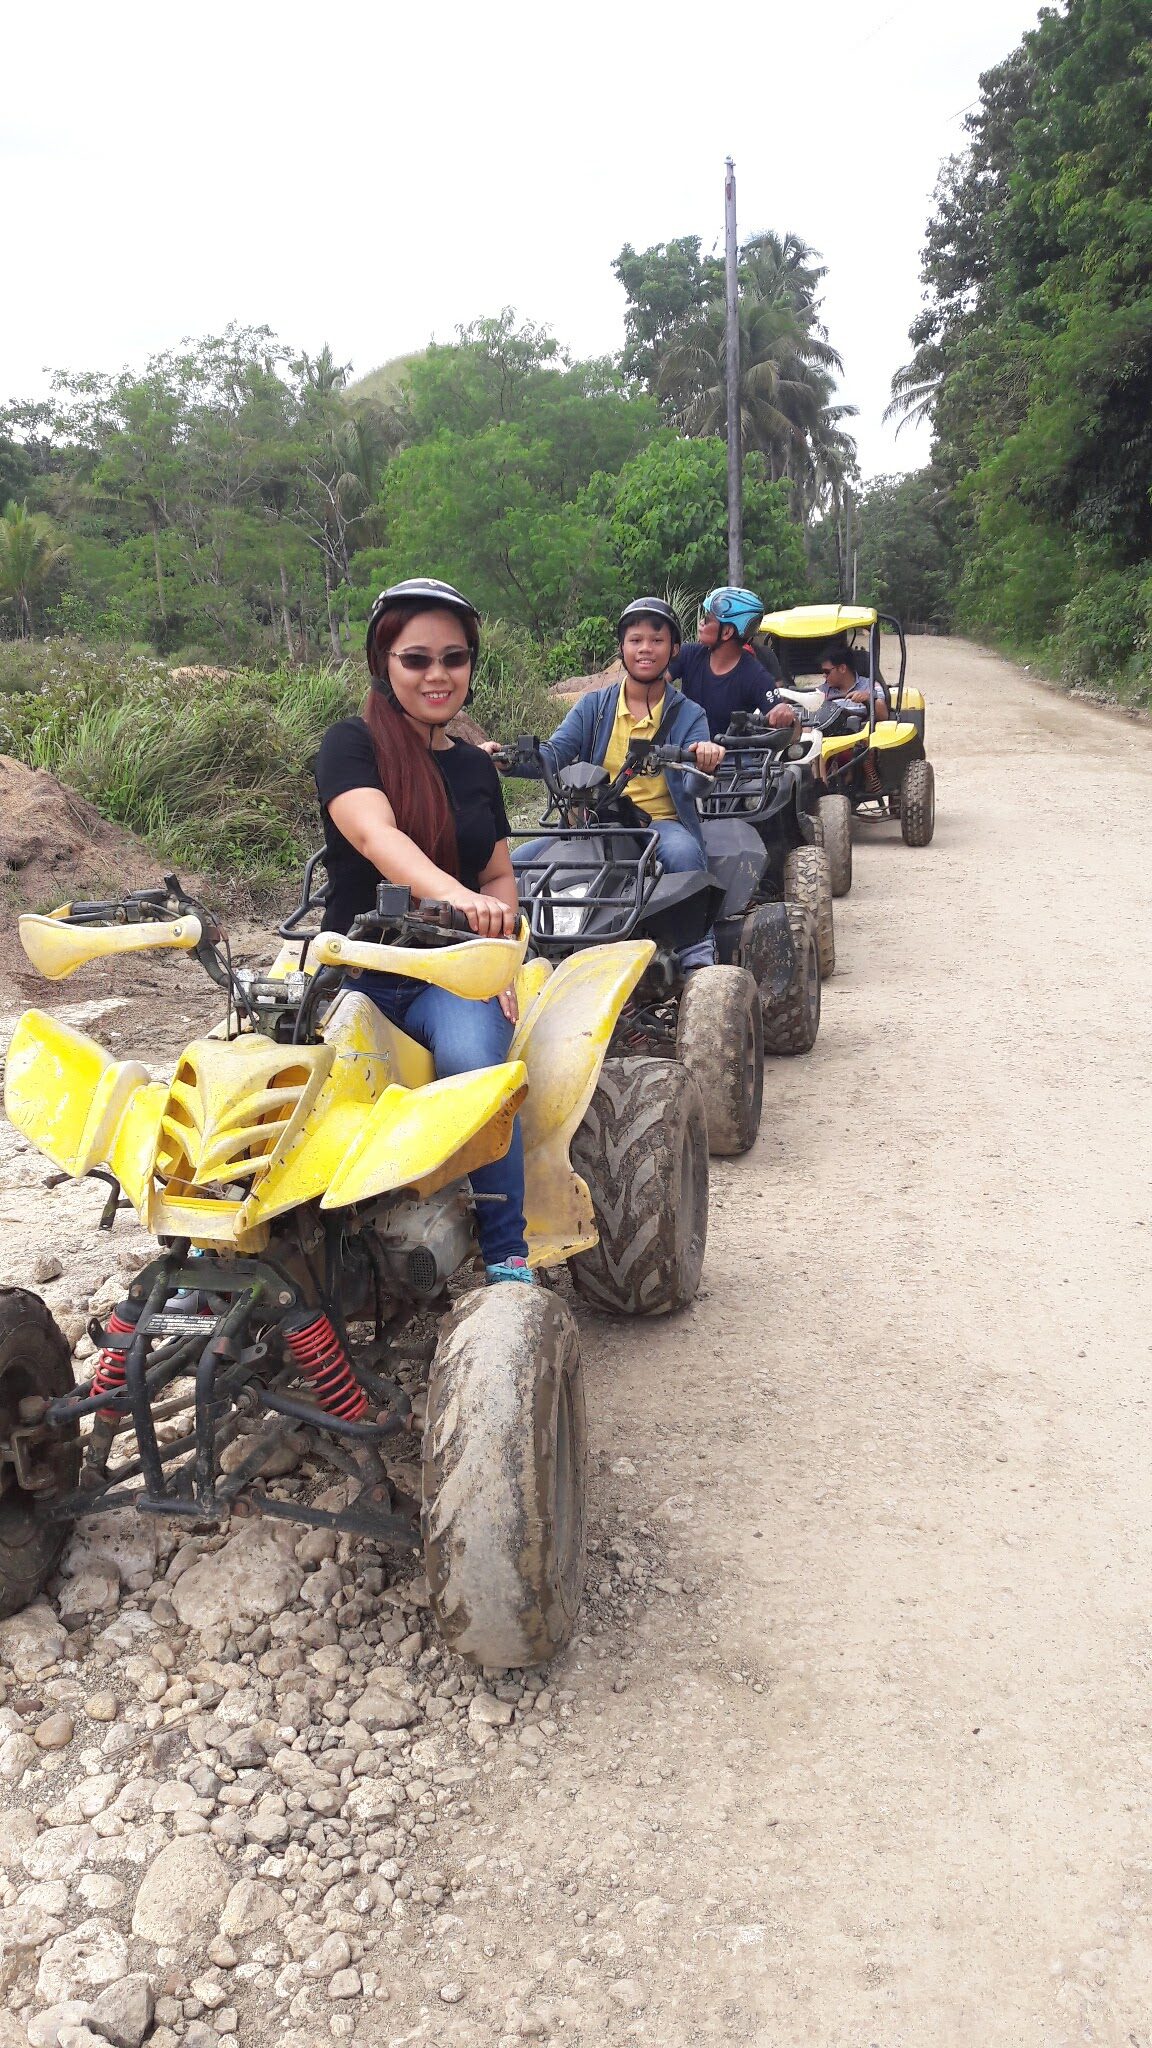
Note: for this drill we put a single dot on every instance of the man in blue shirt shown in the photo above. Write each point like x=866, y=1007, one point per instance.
x=718, y=672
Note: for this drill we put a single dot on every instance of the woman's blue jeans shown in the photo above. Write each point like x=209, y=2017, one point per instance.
x=462, y=1036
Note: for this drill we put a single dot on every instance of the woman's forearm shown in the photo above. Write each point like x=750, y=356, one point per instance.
x=392, y=853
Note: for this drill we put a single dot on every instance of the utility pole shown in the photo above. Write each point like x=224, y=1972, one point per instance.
x=732, y=380
x=848, y=594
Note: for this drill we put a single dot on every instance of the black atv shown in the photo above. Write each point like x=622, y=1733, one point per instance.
x=771, y=781
x=591, y=875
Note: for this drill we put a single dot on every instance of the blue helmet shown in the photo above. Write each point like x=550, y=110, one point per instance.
x=734, y=607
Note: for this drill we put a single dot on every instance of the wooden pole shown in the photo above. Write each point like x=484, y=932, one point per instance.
x=732, y=379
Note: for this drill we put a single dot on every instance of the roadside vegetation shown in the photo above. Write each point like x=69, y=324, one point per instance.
x=1033, y=354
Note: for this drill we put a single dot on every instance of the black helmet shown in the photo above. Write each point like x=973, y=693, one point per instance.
x=650, y=608
x=427, y=591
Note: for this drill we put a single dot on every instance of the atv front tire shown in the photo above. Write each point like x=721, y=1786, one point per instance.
x=35, y=1362
x=503, y=1477
x=792, y=1020
x=808, y=880
x=918, y=803
x=643, y=1150
x=720, y=1039
x=834, y=816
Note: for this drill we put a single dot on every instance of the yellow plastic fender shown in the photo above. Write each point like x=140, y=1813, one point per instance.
x=478, y=968
x=57, y=949
x=420, y=1137
x=562, y=1041
x=64, y=1092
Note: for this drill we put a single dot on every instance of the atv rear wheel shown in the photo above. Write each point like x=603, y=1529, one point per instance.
x=834, y=816
x=792, y=1020
x=35, y=1364
x=643, y=1150
x=808, y=880
x=720, y=1039
x=918, y=803
x=503, y=1477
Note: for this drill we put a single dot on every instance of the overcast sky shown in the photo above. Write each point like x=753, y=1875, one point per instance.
x=369, y=177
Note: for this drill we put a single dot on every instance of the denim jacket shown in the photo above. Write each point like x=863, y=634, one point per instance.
x=585, y=733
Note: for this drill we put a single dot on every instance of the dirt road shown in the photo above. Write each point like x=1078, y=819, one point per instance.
x=856, y=1746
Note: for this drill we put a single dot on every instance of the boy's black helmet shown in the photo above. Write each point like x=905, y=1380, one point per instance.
x=650, y=608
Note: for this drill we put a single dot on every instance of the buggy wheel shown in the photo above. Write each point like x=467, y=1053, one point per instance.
x=35, y=1364
x=834, y=814
x=643, y=1150
x=792, y=1020
x=503, y=1477
x=808, y=880
x=918, y=803
x=720, y=1039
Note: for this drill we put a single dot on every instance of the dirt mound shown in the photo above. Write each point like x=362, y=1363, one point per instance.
x=574, y=687
x=55, y=846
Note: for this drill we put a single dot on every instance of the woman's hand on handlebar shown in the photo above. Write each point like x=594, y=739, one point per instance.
x=487, y=916
x=707, y=754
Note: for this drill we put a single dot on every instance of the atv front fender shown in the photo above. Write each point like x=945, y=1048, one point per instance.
x=563, y=1040
x=422, y=1137
x=71, y=1100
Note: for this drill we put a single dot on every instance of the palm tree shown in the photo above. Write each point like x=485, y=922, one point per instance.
x=29, y=556
x=786, y=376
x=915, y=389
x=785, y=267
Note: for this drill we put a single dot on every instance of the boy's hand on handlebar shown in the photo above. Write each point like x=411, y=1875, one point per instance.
x=707, y=754
x=784, y=714
x=487, y=916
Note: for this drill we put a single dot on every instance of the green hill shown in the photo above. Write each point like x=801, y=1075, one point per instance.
x=384, y=383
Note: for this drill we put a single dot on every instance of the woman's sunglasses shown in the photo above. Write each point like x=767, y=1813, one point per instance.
x=453, y=659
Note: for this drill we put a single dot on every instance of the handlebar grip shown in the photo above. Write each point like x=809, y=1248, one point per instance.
x=443, y=915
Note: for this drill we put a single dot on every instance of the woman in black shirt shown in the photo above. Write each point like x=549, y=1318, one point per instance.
x=403, y=801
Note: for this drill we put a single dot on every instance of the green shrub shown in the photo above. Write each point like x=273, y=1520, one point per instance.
x=511, y=694
x=583, y=650
x=1106, y=629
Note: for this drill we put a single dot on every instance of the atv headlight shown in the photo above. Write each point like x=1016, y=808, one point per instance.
x=568, y=919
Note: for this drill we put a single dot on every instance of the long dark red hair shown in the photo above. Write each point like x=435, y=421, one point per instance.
x=412, y=782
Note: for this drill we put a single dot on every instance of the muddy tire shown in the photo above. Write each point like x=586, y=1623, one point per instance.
x=918, y=803
x=720, y=1039
x=834, y=815
x=503, y=1477
x=643, y=1150
x=34, y=1363
x=808, y=880
x=792, y=1020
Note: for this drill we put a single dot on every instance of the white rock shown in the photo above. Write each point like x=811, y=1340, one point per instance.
x=44, y=2030
x=27, y=1926
x=183, y=1888
x=101, y=1892
x=18, y=1753
x=32, y=1641
x=93, y=1955
x=58, y=1852
x=45, y=1267
x=51, y=1896
x=123, y=2013
x=254, y=1573
x=492, y=1712
x=96, y=1590
x=249, y=1905
x=332, y=1954
x=384, y=1710
x=123, y=1541
x=55, y=1731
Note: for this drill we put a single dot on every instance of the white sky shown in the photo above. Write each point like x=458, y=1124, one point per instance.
x=370, y=176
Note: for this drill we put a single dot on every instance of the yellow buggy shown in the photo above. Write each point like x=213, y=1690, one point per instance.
x=875, y=762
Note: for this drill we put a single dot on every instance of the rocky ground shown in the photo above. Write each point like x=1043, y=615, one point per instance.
x=852, y=1746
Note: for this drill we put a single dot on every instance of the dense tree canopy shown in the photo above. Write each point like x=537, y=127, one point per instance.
x=1033, y=354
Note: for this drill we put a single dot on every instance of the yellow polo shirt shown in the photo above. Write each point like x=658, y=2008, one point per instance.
x=651, y=792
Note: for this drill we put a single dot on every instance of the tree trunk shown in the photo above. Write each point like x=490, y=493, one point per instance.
x=333, y=631
x=285, y=618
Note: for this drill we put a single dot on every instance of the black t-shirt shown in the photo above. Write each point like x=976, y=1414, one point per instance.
x=347, y=760
x=745, y=688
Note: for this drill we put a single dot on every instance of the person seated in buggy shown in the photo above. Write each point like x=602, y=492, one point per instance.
x=645, y=705
x=843, y=683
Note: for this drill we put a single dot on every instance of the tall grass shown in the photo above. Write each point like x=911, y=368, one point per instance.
x=215, y=772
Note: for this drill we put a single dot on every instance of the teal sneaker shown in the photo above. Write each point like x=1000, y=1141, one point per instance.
x=511, y=1269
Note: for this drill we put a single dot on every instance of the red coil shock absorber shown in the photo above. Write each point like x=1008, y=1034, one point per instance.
x=109, y=1375
x=322, y=1359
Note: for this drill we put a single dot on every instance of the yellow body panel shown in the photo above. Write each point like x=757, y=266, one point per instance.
x=811, y=621
x=57, y=949
x=477, y=968
x=562, y=1041
x=411, y=1133
x=64, y=1093
x=883, y=737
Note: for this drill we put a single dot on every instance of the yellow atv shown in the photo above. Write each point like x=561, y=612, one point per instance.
x=306, y=1176
x=874, y=767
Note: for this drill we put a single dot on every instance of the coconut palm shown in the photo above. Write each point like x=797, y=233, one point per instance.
x=29, y=556
x=915, y=389
x=784, y=267
x=785, y=380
